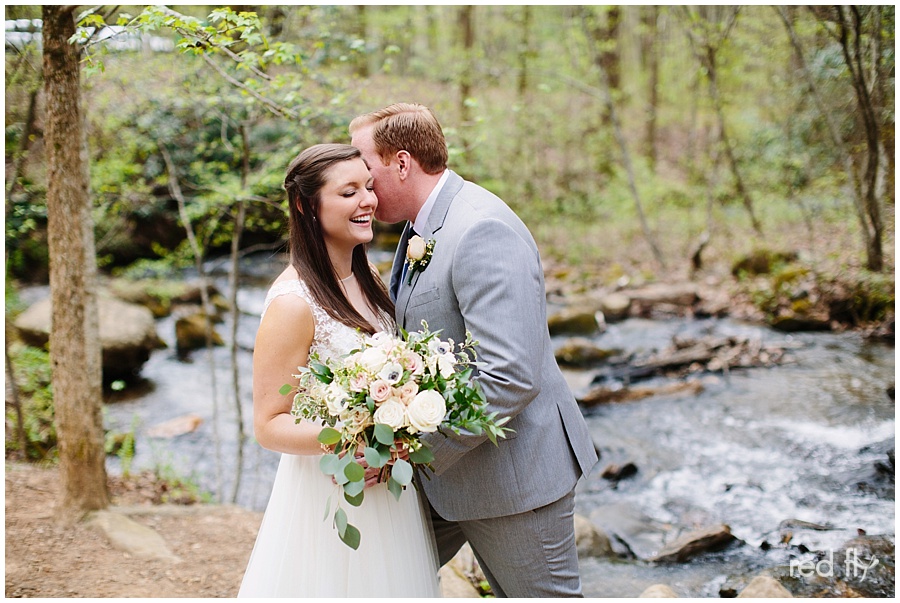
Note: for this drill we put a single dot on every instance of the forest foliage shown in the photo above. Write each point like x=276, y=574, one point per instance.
x=610, y=130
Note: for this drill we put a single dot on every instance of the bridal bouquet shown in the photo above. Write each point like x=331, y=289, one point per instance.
x=378, y=401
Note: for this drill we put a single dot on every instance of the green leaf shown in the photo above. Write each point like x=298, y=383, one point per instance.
x=354, y=500
x=327, y=508
x=330, y=464
x=422, y=456
x=351, y=537
x=395, y=488
x=374, y=457
x=355, y=472
x=329, y=436
x=285, y=389
x=384, y=434
x=340, y=521
x=354, y=488
x=402, y=472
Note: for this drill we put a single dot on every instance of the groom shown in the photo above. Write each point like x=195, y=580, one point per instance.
x=514, y=502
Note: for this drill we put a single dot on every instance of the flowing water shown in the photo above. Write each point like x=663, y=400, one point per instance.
x=753, y=449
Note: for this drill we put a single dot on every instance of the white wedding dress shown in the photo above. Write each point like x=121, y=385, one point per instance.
x=298, y=552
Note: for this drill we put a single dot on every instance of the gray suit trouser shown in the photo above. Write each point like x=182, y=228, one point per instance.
x=531, y=554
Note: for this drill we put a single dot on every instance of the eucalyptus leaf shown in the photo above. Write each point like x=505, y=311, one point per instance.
x=402, y=472
x=354, y=500
x=384, y=434
x=340, y=521
x=327, y=508
x=395, y=488
x=329, y=436
x=351, y=537
x=285, y=389
x=354, y=488
x=330, y=464
x=355, y=472
x=374, y=457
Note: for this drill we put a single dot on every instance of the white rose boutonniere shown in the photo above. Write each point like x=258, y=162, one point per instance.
x=418, y=255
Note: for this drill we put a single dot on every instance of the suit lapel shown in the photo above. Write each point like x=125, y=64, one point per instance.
x=435, y=221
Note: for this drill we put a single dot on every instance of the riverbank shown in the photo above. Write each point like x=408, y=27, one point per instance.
x=43, y=559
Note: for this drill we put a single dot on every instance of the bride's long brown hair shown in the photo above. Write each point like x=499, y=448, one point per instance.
x=306, y=175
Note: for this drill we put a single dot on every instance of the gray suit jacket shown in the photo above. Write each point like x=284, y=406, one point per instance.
x=485, y=276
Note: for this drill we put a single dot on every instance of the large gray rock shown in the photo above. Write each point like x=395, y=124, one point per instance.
x=125, y=534
x=454, y=585
x=615, y=306
x=573, y=321
x=127, y=333
x=659, y=591
x=765, y=587
x=590, y=541
x=580, y=351
x=190, y=333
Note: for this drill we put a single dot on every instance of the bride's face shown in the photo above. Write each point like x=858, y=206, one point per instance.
x=347, y=204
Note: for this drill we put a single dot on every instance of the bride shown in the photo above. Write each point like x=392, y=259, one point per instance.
x=325, y=302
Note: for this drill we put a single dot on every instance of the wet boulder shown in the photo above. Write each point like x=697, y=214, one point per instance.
x=190, y=333
x=127, y=334
x=631, y=533
x=580, y=352
x=663, y=299
x=765, y=587
x=573, y=321
x=615, y=306
x=162, y=296
x=658, y=591
x=866, y=565
x=590, y=540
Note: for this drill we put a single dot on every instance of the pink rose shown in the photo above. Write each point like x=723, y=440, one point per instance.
x=380, y=390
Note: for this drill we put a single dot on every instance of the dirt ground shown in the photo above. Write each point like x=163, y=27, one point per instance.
x=44, y=559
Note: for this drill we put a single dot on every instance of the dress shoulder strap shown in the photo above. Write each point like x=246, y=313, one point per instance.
x=298, y=288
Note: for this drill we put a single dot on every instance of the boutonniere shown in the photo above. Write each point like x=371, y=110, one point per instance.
x=418, y=255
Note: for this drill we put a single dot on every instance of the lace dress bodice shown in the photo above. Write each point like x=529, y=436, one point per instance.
x=332, y=339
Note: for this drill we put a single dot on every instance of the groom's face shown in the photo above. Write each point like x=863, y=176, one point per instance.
x=386, y=177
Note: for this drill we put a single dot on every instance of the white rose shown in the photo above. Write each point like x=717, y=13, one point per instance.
x=373, y=360
x=336, y=399
x=416, y=248
x=426, y=411
x=392, y=413
x=381, y=339
x=355, y=420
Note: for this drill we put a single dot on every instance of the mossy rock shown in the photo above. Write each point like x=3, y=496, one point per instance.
x=762, y=261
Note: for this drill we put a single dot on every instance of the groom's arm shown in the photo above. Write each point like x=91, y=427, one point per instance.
x=498, y=282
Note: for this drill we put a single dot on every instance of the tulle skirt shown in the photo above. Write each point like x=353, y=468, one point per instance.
x=298, y=552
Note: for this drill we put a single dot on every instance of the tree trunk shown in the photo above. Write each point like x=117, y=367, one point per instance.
x=853, y=56
x=595, y=36
x=608, y=40
x=362, y=60
x=524, y=51
x=233, y=283
x=739, y=186
x=467, y=39
x=75, y=352
x=651, y=61
x=855, y=189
